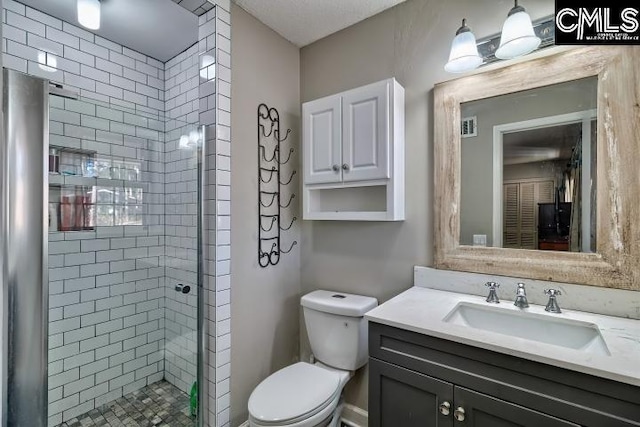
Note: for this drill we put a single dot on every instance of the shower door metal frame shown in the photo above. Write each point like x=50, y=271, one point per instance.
x=24, y=201
x=201, y=153
x=24, y=251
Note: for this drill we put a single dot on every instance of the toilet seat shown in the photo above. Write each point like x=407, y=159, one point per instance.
x=295, y=394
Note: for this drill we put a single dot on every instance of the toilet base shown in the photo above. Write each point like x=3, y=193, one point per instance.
x=328, y=417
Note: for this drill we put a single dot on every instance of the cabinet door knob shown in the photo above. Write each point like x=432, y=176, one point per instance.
x=336, y=168
x=445, y=408
x=345, y=166
x=458, y=414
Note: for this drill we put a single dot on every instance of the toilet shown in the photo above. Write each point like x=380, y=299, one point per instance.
x=306, y=394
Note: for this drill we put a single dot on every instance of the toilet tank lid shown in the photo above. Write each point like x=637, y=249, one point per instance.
x=338, y=303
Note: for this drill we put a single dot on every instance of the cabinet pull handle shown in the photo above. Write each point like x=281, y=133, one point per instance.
x=345, y=166
x=458, y=414
x=336, y=168
x=445, y=408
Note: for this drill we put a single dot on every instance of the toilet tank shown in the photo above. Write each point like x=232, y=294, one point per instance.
x=336, y=327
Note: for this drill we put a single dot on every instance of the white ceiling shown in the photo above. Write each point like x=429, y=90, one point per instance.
x=535, y=145
x=304, y=21
x=158, y=28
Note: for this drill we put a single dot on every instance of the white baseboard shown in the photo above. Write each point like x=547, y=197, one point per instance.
x=354, y=416
x=245, y=424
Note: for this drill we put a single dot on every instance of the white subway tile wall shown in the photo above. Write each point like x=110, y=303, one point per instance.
x=215, y=100
x=199, y=7
x=116, y=322
x=108, y=286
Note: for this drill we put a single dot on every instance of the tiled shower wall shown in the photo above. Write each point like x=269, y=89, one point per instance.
x=215, y=114
x=108, y=286
x=181, y=94
x=106, y=330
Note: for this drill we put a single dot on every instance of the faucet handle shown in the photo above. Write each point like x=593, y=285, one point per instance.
x=493, y=296
x=521, y=297
x=492, y=285
x=552, y=305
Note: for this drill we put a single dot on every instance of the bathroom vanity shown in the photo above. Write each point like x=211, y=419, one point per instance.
x=440, y=353
x=439, y=359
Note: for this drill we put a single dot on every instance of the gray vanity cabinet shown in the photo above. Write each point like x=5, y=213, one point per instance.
x=401, y=397
x=419, y=380
x=409, y=399
x=486, y=411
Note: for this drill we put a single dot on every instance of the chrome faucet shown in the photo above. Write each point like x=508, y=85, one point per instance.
x=492, y=297
x=552, y=305
x=521, y=297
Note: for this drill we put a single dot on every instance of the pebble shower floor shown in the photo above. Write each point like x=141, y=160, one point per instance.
x=159, y=404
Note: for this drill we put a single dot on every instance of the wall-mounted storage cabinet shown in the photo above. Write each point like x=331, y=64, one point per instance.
x=353, y=151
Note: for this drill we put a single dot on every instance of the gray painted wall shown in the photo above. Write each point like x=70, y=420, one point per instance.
x=265, y=309
x=410, y=42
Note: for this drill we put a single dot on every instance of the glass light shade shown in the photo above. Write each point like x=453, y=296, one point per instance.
x=464, y=54
x=517, y=36
x=89, y=14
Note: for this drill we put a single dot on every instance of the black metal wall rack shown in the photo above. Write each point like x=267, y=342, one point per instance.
x=273, y=202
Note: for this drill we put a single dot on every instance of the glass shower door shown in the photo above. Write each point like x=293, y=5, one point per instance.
x=100, y=260
x=123, y=257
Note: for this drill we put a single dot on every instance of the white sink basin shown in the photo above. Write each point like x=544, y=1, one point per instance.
x=573, y=334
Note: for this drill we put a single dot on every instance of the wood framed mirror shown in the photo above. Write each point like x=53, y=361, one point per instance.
x=592, y=231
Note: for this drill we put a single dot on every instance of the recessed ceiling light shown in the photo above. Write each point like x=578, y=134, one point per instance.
x=89, y=14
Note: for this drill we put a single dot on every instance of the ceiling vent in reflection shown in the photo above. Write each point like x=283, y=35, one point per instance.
x=469, y=127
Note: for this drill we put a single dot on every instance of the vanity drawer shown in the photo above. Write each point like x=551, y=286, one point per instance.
x=569, y=395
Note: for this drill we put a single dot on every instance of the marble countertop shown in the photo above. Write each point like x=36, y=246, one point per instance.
x=422, y=310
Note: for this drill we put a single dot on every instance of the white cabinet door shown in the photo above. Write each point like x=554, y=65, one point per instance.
x=322, y=141
x=365, y=133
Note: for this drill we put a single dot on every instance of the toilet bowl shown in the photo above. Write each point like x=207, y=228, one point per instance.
x=300, y=395
x=309, y=395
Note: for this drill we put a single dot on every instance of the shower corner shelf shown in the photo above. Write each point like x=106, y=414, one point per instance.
x=73, y=150
x=60, y=180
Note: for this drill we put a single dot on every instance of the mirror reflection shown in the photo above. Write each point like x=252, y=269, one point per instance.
x=528, y=169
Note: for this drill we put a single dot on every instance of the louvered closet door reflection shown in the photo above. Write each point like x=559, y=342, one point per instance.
x=528, y=213
x=520, y=223
x=510, y=216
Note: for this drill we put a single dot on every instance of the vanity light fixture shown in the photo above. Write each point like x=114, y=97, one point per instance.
x=518, y=37
x=464, y=54
x=89, y=14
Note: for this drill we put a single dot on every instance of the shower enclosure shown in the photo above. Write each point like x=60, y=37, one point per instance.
x=101, y=225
